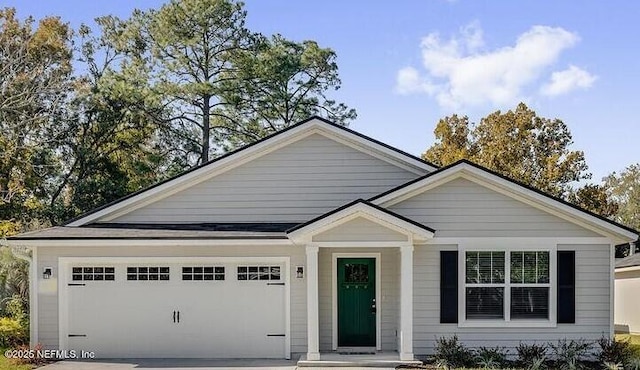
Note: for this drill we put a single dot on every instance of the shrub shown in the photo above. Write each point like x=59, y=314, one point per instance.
x=31, y=360
x=570, y=354
x=613, y=352
x=12, y=332
x=531, y=356
x=450, y=353
x=634, y=363
x=491, y=357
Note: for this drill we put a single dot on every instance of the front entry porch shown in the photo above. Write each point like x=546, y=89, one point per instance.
x=383, y=359
x=345, y=252
x=360, y=303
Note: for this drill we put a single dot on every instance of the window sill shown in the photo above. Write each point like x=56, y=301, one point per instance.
x=542, y=323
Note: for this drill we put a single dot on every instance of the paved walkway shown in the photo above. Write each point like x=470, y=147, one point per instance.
x=186, y=364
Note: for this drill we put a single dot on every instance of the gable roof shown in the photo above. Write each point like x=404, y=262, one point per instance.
x=357, y=208
x=234, y=158
x=629, y=261
x=510, y=187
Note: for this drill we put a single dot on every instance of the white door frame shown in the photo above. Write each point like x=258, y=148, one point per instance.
x=63, y=287
x=334, y=294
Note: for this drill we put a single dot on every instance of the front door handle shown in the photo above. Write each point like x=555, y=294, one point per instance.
x=178, y=317
x=373, y=308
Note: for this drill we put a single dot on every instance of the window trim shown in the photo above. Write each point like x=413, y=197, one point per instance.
x=497, y=245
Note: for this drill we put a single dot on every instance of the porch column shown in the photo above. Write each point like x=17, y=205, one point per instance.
x=406, y=303
x=313, y=332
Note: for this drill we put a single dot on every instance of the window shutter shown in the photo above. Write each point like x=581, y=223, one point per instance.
x=566, y=287
x=448, y=287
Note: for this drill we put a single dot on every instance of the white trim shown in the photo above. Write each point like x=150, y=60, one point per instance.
x=406, y=303
x=497, y=246
x=518, y=242
x=627, y=269
x=348, y=244
x=334, y=294
x=313, y=126
x=360, y=210
x=513, y=190
x=63, y=280
x=147, y=242
x=313, y=309
x=33, y=298
x=612, y=288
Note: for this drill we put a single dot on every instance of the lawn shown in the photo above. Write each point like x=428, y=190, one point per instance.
x=10, y=364
x=632, y=338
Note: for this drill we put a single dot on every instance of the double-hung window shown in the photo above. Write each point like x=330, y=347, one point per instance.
x=529, y=285
x=507, y=285
x=485, y=285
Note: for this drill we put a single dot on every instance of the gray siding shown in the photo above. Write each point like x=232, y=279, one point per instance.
x=461, y=208
x=592, y=304
x=359, y=229
x=292, y=184
x=48, y=294
x=389, y=294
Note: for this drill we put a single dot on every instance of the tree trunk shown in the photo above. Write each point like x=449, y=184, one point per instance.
x=204, y=157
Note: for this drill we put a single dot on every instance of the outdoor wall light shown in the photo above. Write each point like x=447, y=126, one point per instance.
x=47, y=272
x=299, y=272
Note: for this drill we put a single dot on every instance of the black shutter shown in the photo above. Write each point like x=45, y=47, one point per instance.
x=566, y=287
x=448, y=287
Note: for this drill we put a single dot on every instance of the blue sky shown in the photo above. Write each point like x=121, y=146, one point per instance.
x=406, y=64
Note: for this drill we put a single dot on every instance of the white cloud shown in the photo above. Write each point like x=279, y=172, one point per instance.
x=460, y=72
x=568, y=80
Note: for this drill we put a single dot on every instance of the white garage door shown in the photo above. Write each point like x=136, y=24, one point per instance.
x=205, y=309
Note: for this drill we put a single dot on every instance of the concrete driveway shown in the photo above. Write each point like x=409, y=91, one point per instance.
x=184, y=364
x=172, y=364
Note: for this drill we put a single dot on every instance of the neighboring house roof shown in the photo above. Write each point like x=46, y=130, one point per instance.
x=252, y=151
x=510, y=187
x=630, y=261
x=361, y=208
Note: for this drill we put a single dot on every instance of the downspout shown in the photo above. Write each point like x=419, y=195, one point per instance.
x=29, y=255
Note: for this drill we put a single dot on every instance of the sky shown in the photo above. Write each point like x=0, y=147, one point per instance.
x=406, y=64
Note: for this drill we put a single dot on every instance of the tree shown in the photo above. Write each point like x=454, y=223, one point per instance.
x=453, y=141
x=110, y=147
x=280, y=83
x=595, y=199
x=517, y=144
x=209, y=83
x=176, y=59
x=624, y=189
x=35, y=81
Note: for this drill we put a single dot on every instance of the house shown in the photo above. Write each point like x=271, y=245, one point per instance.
x=627, y=299
x=318, y=239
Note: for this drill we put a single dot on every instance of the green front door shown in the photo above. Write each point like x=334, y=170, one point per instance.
x=356, y=302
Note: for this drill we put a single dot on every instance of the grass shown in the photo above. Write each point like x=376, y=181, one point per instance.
x=10, y=364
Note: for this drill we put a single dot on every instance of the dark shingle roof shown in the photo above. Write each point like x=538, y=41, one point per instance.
x=162, y=231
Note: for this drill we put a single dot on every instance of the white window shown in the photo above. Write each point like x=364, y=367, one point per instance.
x=485, y=285
x=507, y=285
x=529, y=285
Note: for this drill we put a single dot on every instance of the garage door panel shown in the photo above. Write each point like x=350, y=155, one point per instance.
x=227, y=318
